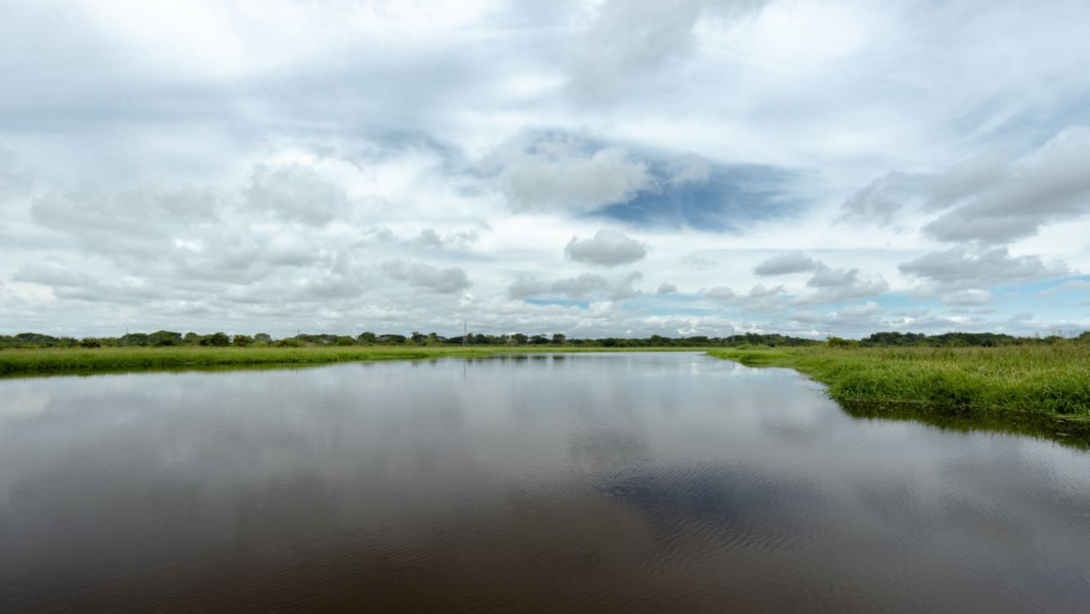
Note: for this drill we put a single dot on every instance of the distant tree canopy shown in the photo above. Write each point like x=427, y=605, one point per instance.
x=164, y=338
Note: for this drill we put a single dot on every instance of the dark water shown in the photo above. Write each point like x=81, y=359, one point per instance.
x=588, y=483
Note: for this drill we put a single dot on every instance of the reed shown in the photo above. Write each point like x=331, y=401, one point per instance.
x=1052, y=380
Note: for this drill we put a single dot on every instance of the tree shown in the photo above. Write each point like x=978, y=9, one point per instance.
x=218, y=340
x=837, y=342
x=368, y=337
x=242, y=340
x=263, y=337
x=135, y=339
x=165, y=338
x=559, y=338
x=520, y=338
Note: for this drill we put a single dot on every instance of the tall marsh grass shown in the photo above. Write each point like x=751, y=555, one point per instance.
x=1052, y=379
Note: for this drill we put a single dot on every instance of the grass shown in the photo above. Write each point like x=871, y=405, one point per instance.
x=1051, y=380
x=100, y=360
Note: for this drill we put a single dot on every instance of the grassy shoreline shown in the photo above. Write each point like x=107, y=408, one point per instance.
x=1050, y=381
x=1036, y=391
x=74, y=361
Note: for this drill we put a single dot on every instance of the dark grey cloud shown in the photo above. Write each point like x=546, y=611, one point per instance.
x=666, y=288
x=787, y=263
x=1049, y=185
x=988, y=199
x=608, y=248
x=962, y=269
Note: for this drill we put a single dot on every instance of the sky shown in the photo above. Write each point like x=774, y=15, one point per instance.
x=585, y=167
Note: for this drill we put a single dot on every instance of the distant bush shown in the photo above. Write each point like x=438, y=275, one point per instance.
x=89, y=343
x=216, y=340
x=837, y=342
x=290, y=343
x=242, y=340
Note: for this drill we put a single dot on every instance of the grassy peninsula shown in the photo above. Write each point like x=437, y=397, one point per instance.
x=1050, y=380
x=53, y=361
x=82, y=360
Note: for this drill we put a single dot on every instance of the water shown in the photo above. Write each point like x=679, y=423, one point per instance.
x=581, y=483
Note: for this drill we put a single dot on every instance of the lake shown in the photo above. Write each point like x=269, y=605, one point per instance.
x=627, y=482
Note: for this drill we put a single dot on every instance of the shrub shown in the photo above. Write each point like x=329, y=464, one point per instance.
x=837, y=342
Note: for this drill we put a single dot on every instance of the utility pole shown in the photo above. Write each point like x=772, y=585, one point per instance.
x=465, y=332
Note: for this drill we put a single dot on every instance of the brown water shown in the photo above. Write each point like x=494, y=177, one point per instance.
x=583, y=483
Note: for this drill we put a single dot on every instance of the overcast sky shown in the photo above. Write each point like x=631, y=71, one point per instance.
x=589, y=167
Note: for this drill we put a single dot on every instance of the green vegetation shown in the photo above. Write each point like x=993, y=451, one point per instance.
x=284, y=352
x=39, y=361
x=1047, y=379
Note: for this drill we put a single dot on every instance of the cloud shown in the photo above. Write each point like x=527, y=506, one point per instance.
x=988, y=199
x=462, y=240
x=699, y=262
x=852, y=320
x=665, y=289
x=691, y=169
x=155, y=196
x=561, y=172
x=759, y=299
x=629, y=40
x=963, y=298
x=1049, y=185
x=837, y=285
x=295, y=193
x=883, y=198
x=787, y=263
x=1073, y=285
x=442, y=281
x=582, y=287
x=52, y=273
x=960, y=269
x=608, y=248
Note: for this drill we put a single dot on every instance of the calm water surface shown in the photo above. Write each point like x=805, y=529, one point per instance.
x=580, y=483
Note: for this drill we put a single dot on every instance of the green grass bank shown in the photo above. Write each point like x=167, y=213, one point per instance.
x=31, y=362
x=1051, y=381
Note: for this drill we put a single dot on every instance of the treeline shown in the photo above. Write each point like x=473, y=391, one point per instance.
x=165, y=338
x=959, y=340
